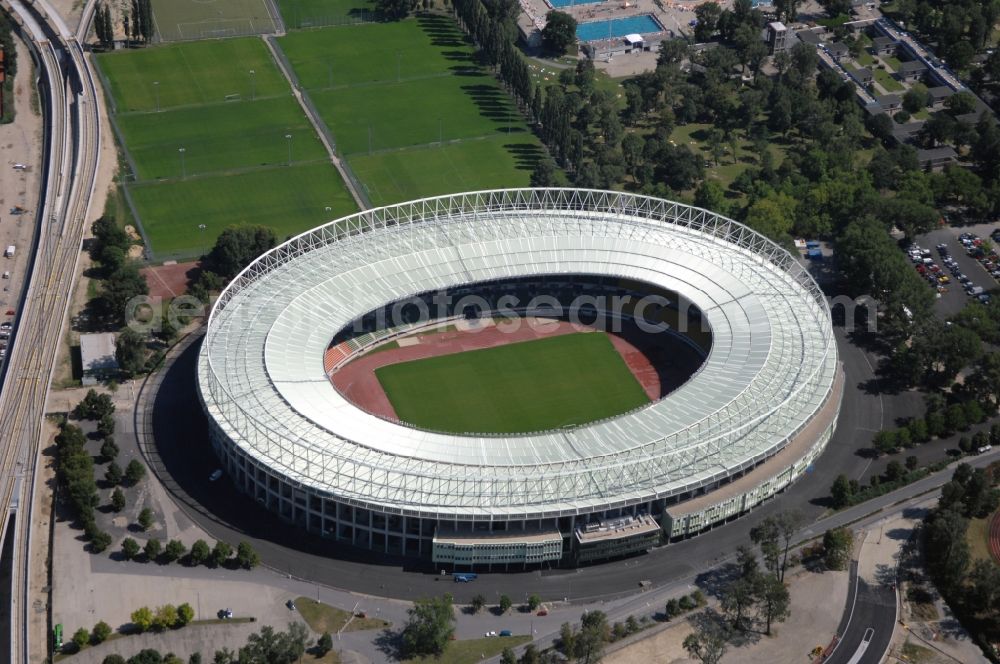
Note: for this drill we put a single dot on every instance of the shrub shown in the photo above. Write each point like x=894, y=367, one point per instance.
x=100, y=633
x=324, y=644
x=117, y=500
x=81, y=637
x=200, y=552
x=145, y=518
x=109, y=450
x=152, y=549
x=130, y=548
x=174, y=550
x=100, y=541
x=113, y=475
x=185, y=614
x=246, y=556
x=686, y=603
x=142, y=618
x=134, y=471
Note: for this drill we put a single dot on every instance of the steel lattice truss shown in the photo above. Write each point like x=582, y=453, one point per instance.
x=771, y=367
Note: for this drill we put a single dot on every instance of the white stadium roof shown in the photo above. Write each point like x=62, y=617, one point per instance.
x=771, y=366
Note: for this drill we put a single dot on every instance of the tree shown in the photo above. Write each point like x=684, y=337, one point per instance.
x=504, y=604
x=271, y=647
x=961, y=103
x=912, y=462
x=118, y=289
x=152, y=549
x=429, y=626
x=185, y=614
x=773, y=600
x=142, y=618
x=100, y=541
x=221, y=553
x=81, y=637
x=134, y=472
x=477, y=603
x=174, y=550
x=544, y=173
x=559, y=33
x=708, y=643
x=237, y=247
x=145, y=519
x=841, y=492
x=130, y=352
x=195, y=658
x=394, y=10
x=113, y=474
x=837, y=545
x=534, y=601
x=109, y=450
x=707, y=15
x=324, y=643
x=894, y=471
x=130, y=548
x=165, y=617
x=113, y=659
x=772, y=216
x=100, y=633
x=508, y=657
x=767, y=535
x=94, y=406
x=594, y=634
x=916, y=98
x=246, y=557
x=117, y=500
x=200, y=552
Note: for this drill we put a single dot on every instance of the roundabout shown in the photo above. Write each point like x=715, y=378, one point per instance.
x=749, y=422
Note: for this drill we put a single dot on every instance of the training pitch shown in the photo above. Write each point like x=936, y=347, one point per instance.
x=183, y=20
x=411, y=109
x=216, y=152
x=522, y=387
x=318, y=13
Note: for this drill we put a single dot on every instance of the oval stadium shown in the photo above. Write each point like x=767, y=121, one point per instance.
x=516, y=378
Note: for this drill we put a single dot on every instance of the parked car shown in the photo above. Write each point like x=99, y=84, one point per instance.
x=216, y=474
x=505, y=632
x=225, y=614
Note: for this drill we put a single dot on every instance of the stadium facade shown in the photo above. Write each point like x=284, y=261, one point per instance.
x=752, y=419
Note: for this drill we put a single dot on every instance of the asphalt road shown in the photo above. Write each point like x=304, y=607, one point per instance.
x=868, y=623
x=182, y=459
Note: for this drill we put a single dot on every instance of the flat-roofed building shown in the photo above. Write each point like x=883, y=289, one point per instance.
x=911, y=70
x=97, y=355
x=613, y=538
x=497, y=548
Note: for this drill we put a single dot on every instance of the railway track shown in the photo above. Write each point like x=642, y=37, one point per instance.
x=72, y=142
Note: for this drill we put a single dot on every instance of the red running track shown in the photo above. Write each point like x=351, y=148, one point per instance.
x=358, y=383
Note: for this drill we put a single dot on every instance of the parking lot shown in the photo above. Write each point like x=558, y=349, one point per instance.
x=956, y=297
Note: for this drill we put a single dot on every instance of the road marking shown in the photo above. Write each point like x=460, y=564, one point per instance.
x=862, y=647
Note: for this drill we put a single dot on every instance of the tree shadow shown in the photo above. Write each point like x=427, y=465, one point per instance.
x=492, y=102
x=713, y=582
x=526, y=155
x=390, y=643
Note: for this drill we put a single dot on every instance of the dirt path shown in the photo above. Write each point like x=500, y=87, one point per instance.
x=358, y=383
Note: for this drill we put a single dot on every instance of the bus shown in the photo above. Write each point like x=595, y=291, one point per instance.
x=57, y=637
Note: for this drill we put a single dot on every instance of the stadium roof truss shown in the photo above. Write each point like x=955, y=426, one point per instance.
x=771, y=367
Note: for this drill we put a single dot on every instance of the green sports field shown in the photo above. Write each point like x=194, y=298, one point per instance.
x=234, y=166
x=289, y=200
x=219, y=137
x=493, y=162
x=528, y=386
x=177, y=20
x=410, y=108
x=317, y=13
x=191, y=74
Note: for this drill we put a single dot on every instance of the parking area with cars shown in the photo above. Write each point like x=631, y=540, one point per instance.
x=965, y=257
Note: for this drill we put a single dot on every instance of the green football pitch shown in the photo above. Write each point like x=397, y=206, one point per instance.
x=289, y=200
x=529, y=386
x=490, y=163
x=177, y=20
x=219, y=137
x=317, y=13
x=192, y=73
x=411, y=110
x=234, y=165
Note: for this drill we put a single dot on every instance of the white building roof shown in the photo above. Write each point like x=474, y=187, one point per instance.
x=97, y=352
x=771, y=365
x=634, y=38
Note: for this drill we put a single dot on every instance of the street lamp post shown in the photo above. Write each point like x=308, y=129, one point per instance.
x=181, y=152
x=288, y=137
x=156, y=90
x=253, y=85
x=201, y=228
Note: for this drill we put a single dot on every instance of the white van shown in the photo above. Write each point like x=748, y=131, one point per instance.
x=10, y=251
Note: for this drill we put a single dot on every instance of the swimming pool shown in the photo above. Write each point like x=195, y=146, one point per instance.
x=617, y=27
x=559, y=4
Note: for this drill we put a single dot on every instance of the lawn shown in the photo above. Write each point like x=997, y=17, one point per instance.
x=416, y=112
x=472, y=650
x=289, y=200
x=377, y=52
x=325, y=618
x=886, y=80
x=219, y=137
x=978, y=538
x=198, y=19
x=489, y=163
x=190, y=73
x=310, y=13
x=529, y=386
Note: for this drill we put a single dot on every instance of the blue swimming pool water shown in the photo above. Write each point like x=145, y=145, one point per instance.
x=617, y=27
x=569, y=3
